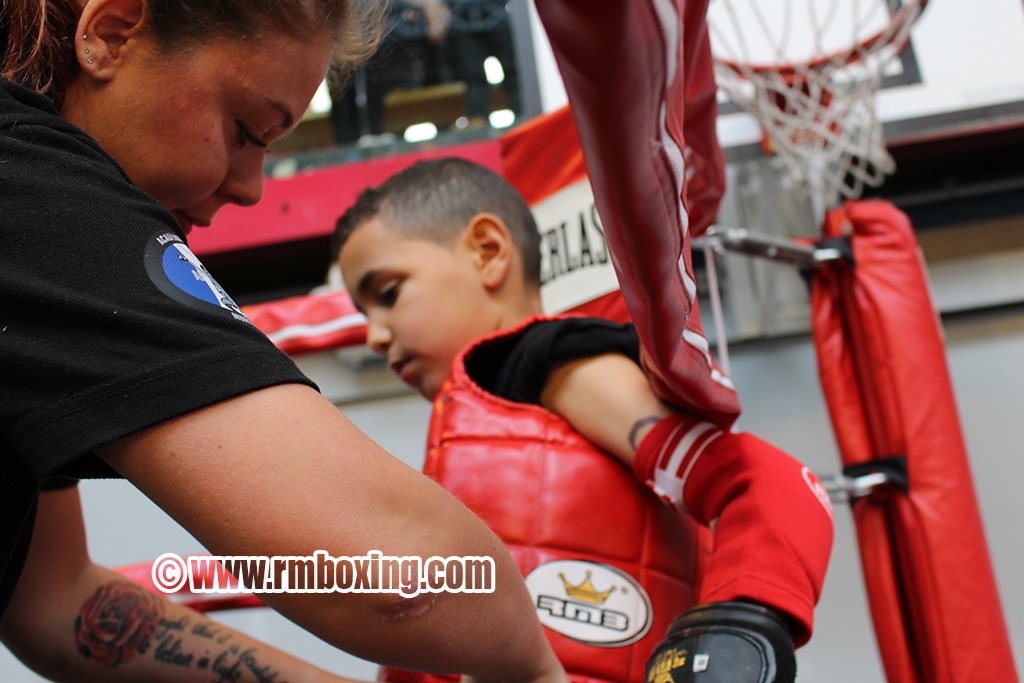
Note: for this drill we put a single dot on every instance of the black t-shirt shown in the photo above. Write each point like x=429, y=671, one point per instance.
x=108, y=323
x=516, y=367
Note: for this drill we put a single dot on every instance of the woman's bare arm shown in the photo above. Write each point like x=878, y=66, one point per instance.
x=280, y=472
x=71, y=620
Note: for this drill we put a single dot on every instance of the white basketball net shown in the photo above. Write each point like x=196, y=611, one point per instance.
x=808, y=70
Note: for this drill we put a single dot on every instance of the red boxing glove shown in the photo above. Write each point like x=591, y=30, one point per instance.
x=771, y=516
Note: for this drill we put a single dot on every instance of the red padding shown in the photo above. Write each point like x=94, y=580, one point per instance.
x=883, y=369
x=310, y=323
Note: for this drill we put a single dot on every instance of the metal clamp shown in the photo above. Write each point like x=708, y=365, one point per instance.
x=781, y=249
x=843, y=489
x=858, y=481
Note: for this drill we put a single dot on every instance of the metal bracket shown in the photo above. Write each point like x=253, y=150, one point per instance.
x=858, y=481
x=781, y=249
x=843, y=489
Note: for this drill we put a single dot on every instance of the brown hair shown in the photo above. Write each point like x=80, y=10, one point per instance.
x=37, y=36
x=434, y=199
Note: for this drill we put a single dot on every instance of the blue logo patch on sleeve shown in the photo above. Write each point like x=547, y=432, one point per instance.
x=179, y=274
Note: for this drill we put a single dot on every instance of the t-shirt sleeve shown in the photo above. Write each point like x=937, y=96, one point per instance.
x=108, y=322
x=517, y=368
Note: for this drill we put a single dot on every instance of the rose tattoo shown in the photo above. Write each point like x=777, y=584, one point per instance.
x=116, y=623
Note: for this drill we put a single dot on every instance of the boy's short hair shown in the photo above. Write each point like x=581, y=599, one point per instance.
x=436, y=198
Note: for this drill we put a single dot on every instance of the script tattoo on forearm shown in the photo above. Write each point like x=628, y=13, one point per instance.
x=121, y=621
x=231, y=659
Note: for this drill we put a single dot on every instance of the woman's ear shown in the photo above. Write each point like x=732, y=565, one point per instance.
x=104, y=30
x=493, y=249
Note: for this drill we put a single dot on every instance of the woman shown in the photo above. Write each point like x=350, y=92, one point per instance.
x=124, y=124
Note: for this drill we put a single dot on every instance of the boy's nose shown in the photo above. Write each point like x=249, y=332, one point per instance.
x=378, y=336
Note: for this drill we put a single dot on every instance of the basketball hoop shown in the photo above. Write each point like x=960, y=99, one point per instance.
x=808, y=70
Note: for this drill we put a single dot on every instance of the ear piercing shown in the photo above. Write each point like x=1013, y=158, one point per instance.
x=85, y=50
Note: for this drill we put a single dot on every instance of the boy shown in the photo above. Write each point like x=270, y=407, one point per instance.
x=443, y=259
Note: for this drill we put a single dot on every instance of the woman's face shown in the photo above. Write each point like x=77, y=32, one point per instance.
x=191, y=128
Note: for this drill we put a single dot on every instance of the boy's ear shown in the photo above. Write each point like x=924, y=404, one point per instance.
x=104, y=30
x=493, y=249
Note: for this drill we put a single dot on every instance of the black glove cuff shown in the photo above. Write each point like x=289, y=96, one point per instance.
x=725, y=642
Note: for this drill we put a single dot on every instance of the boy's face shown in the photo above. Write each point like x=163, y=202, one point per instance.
x=423, y=302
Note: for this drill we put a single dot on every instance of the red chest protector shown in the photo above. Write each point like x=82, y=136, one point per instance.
x=608, y=565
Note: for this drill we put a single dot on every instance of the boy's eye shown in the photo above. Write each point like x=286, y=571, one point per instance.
x=246, y=136
x=388, y=294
